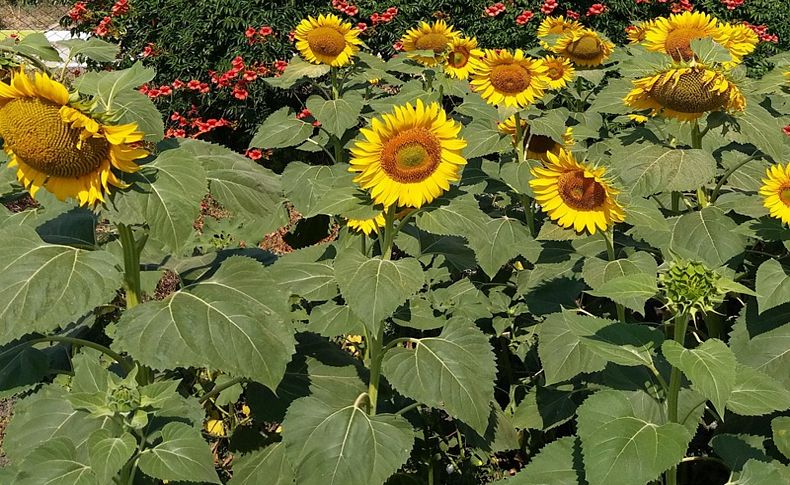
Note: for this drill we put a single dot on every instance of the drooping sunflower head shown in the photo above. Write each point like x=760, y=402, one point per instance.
x=584, y=47
x=575, y=194
x=560, y=71
x=738, y=39
x=776, y=192
x=510, y=79
x=685, y=93
x=327, y=40
x=636, y=32
x=463, y=57
x=409, y=156
x=60, y=148
x=434, y=37
x=556, y=26
x=537, y=146
x=367, y=226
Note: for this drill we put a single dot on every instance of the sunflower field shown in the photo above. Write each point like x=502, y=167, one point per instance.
x=565, y=263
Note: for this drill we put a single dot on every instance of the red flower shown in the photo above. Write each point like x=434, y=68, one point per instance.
x=178, y=84
x=254, y=154
x=77, y=12
x=237, y=62
x=548, y=6
x=250, y=32
x=732, y=4
x=148, y=50
x=250, y=75
x=265, y=31
x=204, y=88
x=153, y=93
x=121, y=7
x=786, y=129
x=194, y=85
x=362, y=26
x=682, y=5
x=572, y=15
x=398, y=46
x=596, y=9
x=305, y=113
x=280, y=65
x=351, y=10
x=104, y=27
x=316, y=123
x=495, y=9
x=165, y=90
x=524, y=17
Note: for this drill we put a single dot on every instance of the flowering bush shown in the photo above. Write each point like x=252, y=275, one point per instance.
x=561, y=265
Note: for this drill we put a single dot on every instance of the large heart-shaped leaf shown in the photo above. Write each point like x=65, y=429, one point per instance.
x=336, y=115
x=622, y=447
x=267, y=465
x=375, y=287
x=649, y=169
x=233, y=321
x=44, y=286
x=708, y=236
x=181, y=455
x=281, y=129
x=554, y=465
x=453, y=371
x=504, y=239
x=773, y=285
x=561, y=348
x=56, y=462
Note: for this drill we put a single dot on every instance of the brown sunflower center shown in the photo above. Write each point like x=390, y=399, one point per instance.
x=690, y=95
x=411, y=156
x=678, y=43
x=555, y=72
x=458, y=57
x=579, y=192
x=432, y=42
x=326, y=41
x=541, y=144
x=784, y=196
x=510, y=78
x=35, y=132
x=587, y=48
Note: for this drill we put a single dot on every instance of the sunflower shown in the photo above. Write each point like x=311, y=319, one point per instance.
x=560, y=71
x=776, y=192
x=434, y=37
x=537, y=145
x=367, y=226
x=739, y=40
x=638, y=118
x=511, y=79
x=409, y=156
x=57, y=147
x=463, y=57
x=327, y=40
x=556, y=26
x=685, y=93
x=584, y=47
x=576, y=194
x=636, y=33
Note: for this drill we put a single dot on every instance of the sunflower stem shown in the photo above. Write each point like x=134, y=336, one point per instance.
x=681, y=324
x=608, y=236
x=335, y=84
x=376, y=356
x=727, y=174
x=529, y=213
x=125, y=363
x=131, y=264
x=675, y=201
x=221, y=387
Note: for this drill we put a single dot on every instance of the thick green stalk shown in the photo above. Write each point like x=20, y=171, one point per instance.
x=696, y=143
x=526, y=201
x=681, y=324
x=727, y=174
x=131, y=264
x=609, y=238
x=122, y=361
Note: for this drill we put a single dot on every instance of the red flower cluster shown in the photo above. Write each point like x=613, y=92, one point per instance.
x=762, y=32
x=121, y=7
x=78, y=11
x=548, y=6
x=596, y=9
x=104, y=27
x=345, y=7
x=149, y=50
x=384, y=17
x=495, y=9
x=305, y=113
x=398, y=46
x=682, y=5
x=280, y=66
x=260, y=34
x=192, y=126
x=572, y=14
x=732, y=4
x=524, y=17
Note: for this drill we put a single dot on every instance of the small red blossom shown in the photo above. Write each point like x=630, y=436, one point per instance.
x=104, y=27
x=732, y=4
x=305, y=113
x=596, y=9
x=194, y=85
x=149, y=50
x=495, y=9
x=548, y=7
x=121, y=7
x=178, y=84
x=398, y=46
x=254, y=154
x=786, y=129
x=165, y=90
x=240, y=92
x=316, y=123
x=265, y=31
x=524, y=17
x=78, y=11
x=280, y=65
x=250, y=32
x=572, y=14
x=362, y=26
x=682, y=6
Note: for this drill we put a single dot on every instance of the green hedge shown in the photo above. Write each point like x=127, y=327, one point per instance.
x=193, y=37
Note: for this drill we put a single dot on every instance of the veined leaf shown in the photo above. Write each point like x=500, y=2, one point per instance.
x=234, y=321
x=708, y=236
x=762, y=341
x=780, y=427
x=554, y=464
x=710, y=367
x=755, y=393
x=504, y=239
x=336, y=115
x=281, y=129
x=373, y=287
x=773, y=285
x=94, y=48
x=622, y=447
x=453, y=371
x=649, y=169
x=44, y=286
x=266, y=466
x=483, y=139
x=56, y=462
x=37, y=45
x=181, y=455
x=109, y=453
x=625, y=343
x=561, y=347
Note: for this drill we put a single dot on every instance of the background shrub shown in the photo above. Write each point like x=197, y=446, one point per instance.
x=188, y=40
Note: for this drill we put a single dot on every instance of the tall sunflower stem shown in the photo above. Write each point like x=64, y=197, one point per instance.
x=131, y=264
x=608, y=236
x=336, y=88
x=529, y=213
x=723, y=179
x=675, y=201
x=125, y=363
x=681, y=325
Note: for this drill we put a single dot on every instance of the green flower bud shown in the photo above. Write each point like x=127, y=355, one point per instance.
x=123, y=399
x=690, y=287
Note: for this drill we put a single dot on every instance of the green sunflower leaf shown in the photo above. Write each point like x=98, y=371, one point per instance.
x=181, y=455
